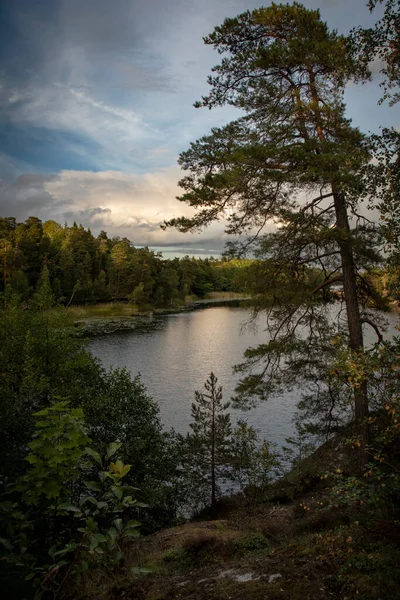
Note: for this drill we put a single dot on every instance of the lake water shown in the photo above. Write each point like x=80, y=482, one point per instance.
x=176, y=353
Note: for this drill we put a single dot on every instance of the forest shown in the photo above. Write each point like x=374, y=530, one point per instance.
x=98, y=500
x=84, y=269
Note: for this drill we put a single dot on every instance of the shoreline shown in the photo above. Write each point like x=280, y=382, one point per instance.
x=90, y=324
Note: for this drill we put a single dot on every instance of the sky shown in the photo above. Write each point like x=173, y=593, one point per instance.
x=96, y=103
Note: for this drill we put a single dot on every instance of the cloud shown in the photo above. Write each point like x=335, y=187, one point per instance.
x=104, y=85
x=124, y=204
x=26, y=196
x=111, y=81
x=97, y=98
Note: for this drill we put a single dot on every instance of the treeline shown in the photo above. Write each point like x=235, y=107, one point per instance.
x=88, y=269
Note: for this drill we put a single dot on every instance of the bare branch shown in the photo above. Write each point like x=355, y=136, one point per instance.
x=375, y=327
x=328, y=282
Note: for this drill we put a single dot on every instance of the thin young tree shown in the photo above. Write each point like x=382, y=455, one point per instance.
x=207, y=447
x=293, y=159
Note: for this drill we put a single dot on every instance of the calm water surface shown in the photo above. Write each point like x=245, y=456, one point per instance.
x=176, y=353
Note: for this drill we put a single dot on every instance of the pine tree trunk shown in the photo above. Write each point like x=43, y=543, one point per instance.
x=353, y=318
x=213, y=490
x=354, y=324
x=213, y=483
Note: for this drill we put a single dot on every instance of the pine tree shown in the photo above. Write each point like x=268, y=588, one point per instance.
x=381, y=45
x=207, y=447
x=292, y=159
x=43, y=298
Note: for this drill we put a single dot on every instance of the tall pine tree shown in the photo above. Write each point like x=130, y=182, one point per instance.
x=293, y=159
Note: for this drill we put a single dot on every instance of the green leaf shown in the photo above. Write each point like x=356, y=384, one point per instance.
x=117, y=466
x=69, y=507
x=93, y=543
x=112, y=448
x=91, y=524
x=118, y=493
x=6, y=543
x=125, y=470
x=71, y=547
x=89, y=499
x=134, y=533
x=93, y=485
x=133, y=523
x=129, y=488
x=95, y=455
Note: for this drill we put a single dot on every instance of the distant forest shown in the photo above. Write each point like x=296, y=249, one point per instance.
x=83, y=268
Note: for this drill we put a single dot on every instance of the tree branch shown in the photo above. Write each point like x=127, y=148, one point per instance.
x=328, y=282
x=375, y=327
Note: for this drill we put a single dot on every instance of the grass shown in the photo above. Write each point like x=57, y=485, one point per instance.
x=264, y=552
x=304, y=549
x=109, y=309
x=225, y=295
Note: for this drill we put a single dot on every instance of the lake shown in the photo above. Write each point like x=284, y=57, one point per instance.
x=175, y=354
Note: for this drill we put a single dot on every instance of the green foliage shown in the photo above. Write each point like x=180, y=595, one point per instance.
x=214, y=455
x=254, y=463
x=207, y=449
x=381, y=44
x=47, y=262
x=121, y=410
x=56, y=452
x=299, y=447
x=382, y=189
x=43, y=298
x=58, y=525
x=41, y=357
x=376, y=490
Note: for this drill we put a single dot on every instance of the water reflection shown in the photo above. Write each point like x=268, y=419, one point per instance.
x=176, y=353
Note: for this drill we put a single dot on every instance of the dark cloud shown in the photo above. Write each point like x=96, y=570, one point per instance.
x=87, y=213
x=33, y=180
x=26, y=196
x=94, y=217
x=86, y=84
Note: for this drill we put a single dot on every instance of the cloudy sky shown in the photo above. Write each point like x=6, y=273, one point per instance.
x=97, y=102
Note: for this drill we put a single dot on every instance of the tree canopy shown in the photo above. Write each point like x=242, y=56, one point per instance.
x=381, y=44
x=82, y=268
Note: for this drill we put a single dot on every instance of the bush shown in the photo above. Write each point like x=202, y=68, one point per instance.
x=56, y=524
